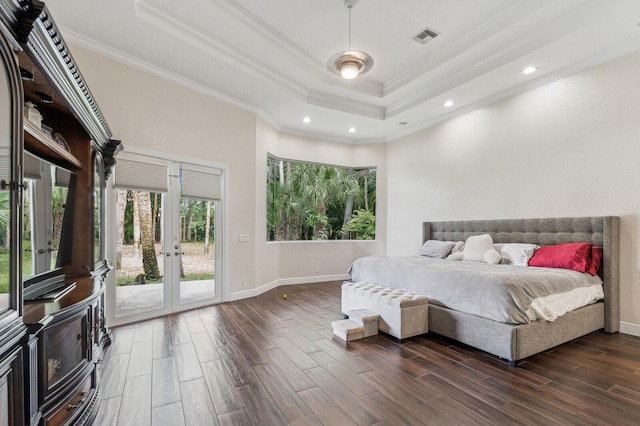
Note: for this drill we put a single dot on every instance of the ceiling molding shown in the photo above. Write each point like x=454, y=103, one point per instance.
x=123, y=58
x=315, y=68
x=595, y=60
x=359, y=85
x=262, y=115
x=269, y=33
x=346, y=105
x=316, y=135
x=462, y=44
x=264, y=57
x=173, y=24
x=546, y=35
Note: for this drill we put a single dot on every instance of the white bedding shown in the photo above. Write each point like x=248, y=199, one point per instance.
x=555, y=305
x=503, y=293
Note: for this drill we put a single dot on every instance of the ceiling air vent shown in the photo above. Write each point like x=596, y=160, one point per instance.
x=425, y=36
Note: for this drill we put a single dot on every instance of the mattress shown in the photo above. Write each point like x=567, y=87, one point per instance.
x=503, y=293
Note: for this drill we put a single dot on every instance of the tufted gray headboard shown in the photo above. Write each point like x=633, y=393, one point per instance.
x=600, y=231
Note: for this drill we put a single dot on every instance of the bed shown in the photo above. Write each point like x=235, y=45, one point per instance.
x=511, y=341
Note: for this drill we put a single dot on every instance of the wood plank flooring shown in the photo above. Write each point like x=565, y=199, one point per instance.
x=271, y=361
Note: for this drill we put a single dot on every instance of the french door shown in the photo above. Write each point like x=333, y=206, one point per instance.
x=168, y=238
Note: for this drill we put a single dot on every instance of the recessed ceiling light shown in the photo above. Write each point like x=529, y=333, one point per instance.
x=352, y=129
x=529, y=70
x=448, y=103
x=306, y=120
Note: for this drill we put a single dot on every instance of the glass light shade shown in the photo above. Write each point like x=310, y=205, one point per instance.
x=349, y=69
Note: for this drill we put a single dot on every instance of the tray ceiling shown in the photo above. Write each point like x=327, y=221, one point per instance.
x=271, y=56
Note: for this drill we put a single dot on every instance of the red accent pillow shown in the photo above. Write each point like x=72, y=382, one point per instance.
x=596, y=258
x=575, y=256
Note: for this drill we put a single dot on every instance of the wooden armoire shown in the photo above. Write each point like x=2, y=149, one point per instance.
x=56, y=153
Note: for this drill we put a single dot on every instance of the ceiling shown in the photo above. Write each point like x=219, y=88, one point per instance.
x=271, y=56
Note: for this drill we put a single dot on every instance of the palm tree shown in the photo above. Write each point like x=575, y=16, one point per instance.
x=149, y=259
x=315, y=183
x=348, y=191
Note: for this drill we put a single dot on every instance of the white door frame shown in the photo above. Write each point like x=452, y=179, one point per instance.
x=171, y=299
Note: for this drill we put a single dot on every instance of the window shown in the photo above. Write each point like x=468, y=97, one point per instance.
x=307, y=201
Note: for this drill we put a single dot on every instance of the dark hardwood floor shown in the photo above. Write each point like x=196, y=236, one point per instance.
x=272, y=361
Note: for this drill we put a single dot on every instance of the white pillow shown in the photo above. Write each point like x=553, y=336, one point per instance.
x=516, y=253
x=458, y=247
x=476, y=246
x=455, y=256
x=492, y=256
x=436, y=249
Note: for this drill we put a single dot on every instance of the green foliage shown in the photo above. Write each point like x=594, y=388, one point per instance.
x=191, y=211
x=4, y=217
x=4, y=264
x=363, y=224
x=312, y=201
x=194, y=212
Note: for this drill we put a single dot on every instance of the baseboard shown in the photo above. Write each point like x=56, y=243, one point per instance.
x=630, y=328
x=286, y=281
x=314, y=279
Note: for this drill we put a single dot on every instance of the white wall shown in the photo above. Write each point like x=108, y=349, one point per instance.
x=150, y=113
x=571, y=148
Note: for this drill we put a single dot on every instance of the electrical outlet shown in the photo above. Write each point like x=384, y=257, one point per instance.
x=317, y=269
x=244, y=282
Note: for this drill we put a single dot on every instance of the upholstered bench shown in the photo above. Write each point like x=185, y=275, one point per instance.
x=402, y=314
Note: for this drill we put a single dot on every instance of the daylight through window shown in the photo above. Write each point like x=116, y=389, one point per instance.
x=307, y=201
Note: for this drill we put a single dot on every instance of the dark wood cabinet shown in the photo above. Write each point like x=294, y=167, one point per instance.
x=11, y=405
x=56, y=153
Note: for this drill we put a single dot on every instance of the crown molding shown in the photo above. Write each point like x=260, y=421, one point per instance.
x=595, y=60
x=262, y=115
x=346, y=105
x=316, y=135
x=464, y=43
x=546, y=35
x=123, y=58
x=250, y=21
x=169, y=22
x=313, y=67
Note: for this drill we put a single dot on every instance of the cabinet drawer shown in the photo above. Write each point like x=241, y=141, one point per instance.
x=73, y=406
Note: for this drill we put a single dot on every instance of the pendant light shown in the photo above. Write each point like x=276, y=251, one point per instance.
x=350, y=63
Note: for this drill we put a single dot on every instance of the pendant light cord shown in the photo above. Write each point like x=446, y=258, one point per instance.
x=350, y=6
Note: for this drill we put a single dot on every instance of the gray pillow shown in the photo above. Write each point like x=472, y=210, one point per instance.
x=436, y=249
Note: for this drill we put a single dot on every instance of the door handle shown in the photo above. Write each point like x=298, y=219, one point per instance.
x=178, y=253
x=168, y=254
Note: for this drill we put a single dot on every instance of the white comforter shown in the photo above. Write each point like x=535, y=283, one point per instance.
x=504, y=293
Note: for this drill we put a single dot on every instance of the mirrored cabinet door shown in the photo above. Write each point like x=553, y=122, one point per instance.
x=8, y=185
x=5, y=195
